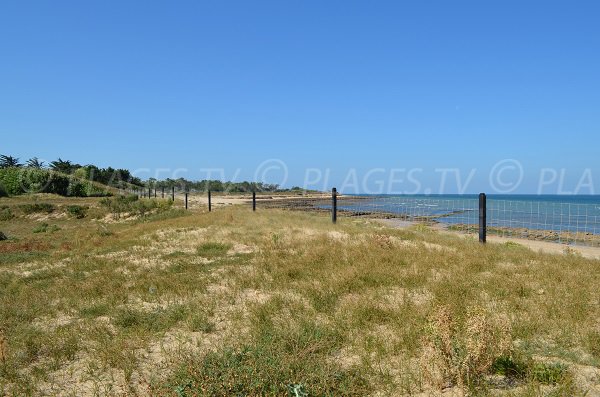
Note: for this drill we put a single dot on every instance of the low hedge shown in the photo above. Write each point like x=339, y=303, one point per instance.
x=15, y=181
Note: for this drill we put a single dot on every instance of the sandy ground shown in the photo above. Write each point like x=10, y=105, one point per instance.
x=543, y=246
x=224, y=200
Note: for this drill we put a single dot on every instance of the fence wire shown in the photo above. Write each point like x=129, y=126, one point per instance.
x=542, y=220
x=565, y=223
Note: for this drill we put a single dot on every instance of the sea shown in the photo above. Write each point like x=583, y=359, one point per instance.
x=560, y=213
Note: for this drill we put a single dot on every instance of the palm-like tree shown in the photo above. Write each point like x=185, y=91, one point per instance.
x=34, y=162
x=9, y=161
x=60, y=165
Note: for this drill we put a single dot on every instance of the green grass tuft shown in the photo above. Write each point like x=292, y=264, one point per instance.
x=213, y=249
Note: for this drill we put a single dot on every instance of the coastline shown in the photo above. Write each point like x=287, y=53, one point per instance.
x=547, y=247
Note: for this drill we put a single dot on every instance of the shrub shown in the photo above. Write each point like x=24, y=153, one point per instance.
x=36, y=208
x=120, y=204
x=6, y=213
x=77, y=211
x=15, y=181
x=132, y=205
x=3, y=236
x=9, y=179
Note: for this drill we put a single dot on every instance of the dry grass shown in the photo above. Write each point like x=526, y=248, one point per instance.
x=273, y=302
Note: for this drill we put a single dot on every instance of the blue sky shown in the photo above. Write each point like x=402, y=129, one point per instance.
x=334, y=85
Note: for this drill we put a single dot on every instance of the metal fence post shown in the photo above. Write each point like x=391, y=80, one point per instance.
x=253, y=200
x=154, y=192
x=186, y=200
x=209, y=203
x=482, y=218
x=173, y=193
x=334, y=205
x=149, y=192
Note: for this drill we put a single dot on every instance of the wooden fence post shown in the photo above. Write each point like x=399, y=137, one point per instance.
x=482, y=218
x=334, y=205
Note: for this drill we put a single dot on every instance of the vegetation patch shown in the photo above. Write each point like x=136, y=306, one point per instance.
x=134, y=206
x=295, y=357
x=511, y=366
x=549, y=374
x=37, y=208
x=45, y=228
x=76, y=211
x=151, y=321
x=6, y=213
x=20, y=180
x=461, y=353
x=94, y=310
x=103, y=231
x=199, y=321
x=213, y=249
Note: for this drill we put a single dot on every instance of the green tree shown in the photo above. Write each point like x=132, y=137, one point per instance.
x=64, y=166
x=9, y=161
x=34, y=162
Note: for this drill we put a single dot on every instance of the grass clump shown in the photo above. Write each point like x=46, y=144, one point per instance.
x=511, y=367
x=3, y=237
x=94, y=310
x=45, y=228
x=549, y=373
x=104, y=231
x=199, y=321
x=76, y=211
x=6, y=213
x=151, y=321
x=512, y=244
x=593, y=343
x=37, y=208
x=213, y=249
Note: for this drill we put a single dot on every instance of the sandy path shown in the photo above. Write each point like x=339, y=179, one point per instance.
x=543, y=246
x=223, y=200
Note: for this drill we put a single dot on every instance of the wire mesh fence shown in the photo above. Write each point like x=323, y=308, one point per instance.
x=565, y=223
x=542, y=220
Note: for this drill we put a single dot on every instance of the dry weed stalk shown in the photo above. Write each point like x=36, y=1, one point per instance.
x=3, y=346
x=459, y=354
